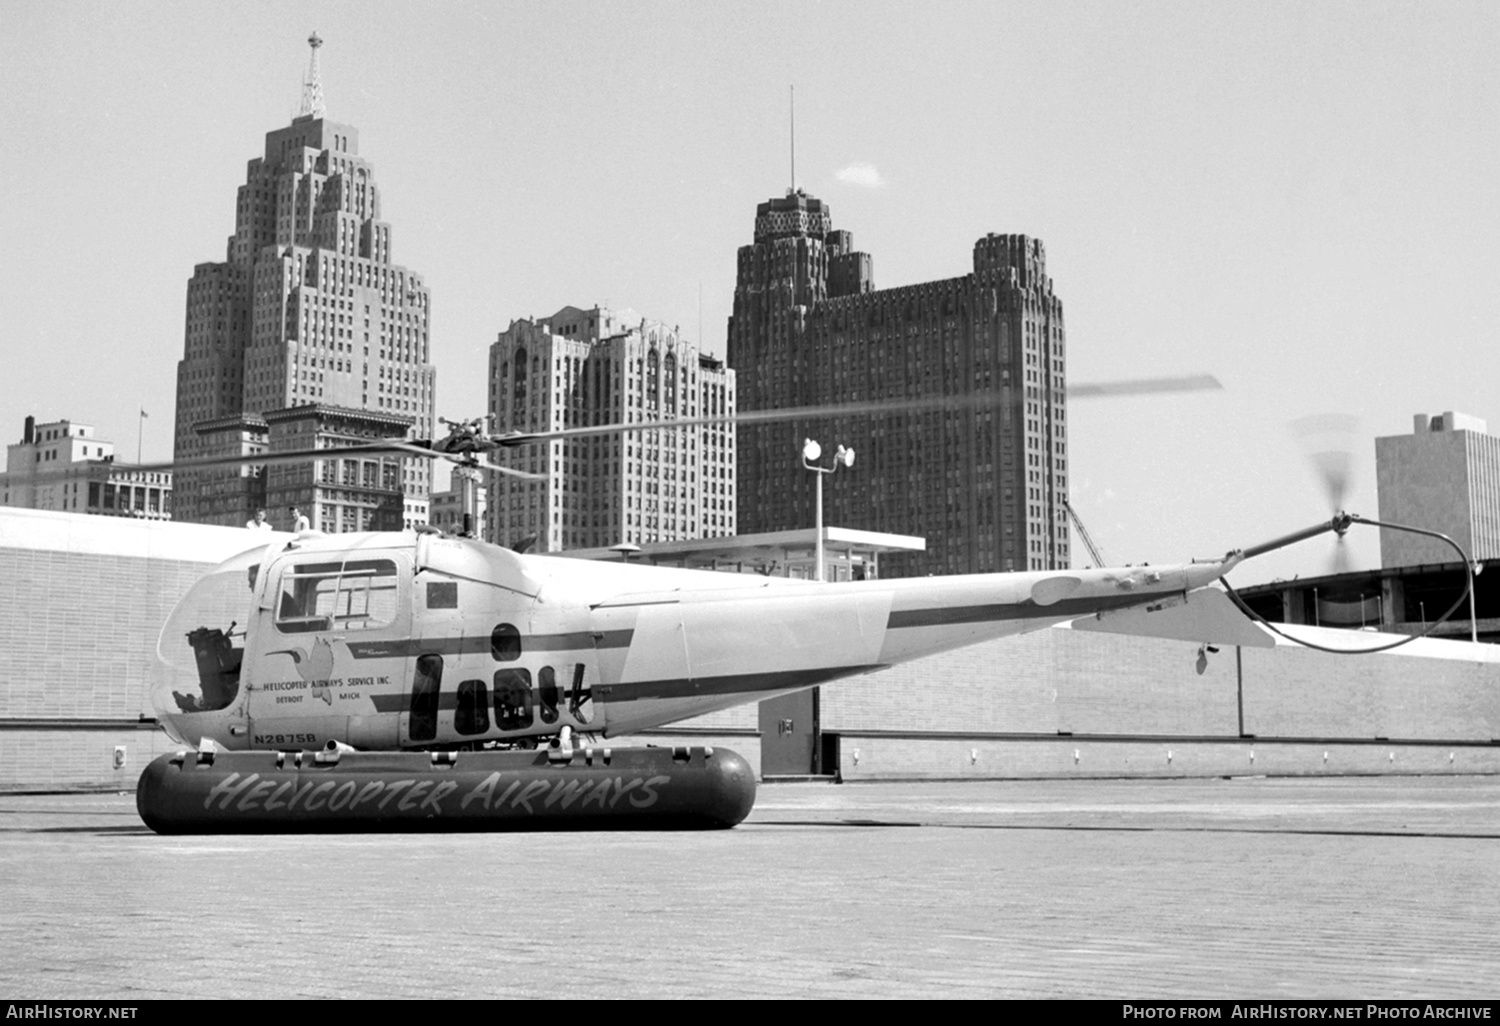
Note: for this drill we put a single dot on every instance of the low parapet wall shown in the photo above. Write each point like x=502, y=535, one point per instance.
x=1063, y=703
x=82, y=601
x=1066, y=703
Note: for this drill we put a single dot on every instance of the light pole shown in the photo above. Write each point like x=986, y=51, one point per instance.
x=1475, y=569
x=811, y=453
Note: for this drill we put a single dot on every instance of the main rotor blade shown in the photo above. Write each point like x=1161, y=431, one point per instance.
x=1145, y=386
x=868, y=407
x=390, y=447
x=382, y=448
x=509, y=471
x=872, y=407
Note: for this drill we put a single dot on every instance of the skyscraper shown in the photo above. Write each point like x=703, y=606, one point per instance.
x=1445, y=477
x=982, y=483
x=306, y=310
x=583, y=367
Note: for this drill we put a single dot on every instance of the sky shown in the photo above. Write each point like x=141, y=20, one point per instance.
x=1300, y=199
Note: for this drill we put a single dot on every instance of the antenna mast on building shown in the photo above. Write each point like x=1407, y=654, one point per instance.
x=312, y=86
x=793, y=190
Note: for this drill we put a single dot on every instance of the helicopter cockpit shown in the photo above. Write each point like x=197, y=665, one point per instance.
x=199, y=650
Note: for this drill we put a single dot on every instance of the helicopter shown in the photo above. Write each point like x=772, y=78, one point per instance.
x=420, y=640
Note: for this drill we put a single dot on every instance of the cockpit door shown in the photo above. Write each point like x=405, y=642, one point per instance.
x=332, y=629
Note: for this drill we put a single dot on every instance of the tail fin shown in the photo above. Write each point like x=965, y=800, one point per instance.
x=1204, y=615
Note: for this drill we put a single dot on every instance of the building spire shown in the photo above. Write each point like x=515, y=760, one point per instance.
x=312, y=85
x=792, y=117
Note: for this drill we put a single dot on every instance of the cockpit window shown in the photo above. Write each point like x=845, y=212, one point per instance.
x=356, y=594
x=201, y=646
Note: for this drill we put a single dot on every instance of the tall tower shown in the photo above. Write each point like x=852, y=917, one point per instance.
x=583, y=367
x=808, y=329
x=306, y=309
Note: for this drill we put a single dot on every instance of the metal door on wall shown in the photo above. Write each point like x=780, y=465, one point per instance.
x=789, y=735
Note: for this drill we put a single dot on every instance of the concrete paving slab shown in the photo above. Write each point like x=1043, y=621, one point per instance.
x=1376, y=888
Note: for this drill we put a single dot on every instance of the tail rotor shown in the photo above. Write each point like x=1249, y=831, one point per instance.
x=1329, y=440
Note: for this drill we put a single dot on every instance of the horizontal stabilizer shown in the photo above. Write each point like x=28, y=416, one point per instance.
x=1205, y=615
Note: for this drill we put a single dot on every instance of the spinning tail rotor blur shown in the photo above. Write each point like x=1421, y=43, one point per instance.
x=1329, y=439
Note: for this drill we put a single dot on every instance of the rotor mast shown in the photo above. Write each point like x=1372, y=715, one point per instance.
x=469, y=491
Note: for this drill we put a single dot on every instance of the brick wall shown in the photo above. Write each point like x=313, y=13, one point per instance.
x=82, y=600
x=75, y=758
x=1139, y=707
x=1045, y=682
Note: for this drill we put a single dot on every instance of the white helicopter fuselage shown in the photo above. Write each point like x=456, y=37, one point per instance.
x=409, y=641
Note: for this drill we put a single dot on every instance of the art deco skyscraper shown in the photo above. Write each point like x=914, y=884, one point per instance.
x=982, y=483
x=307, y=310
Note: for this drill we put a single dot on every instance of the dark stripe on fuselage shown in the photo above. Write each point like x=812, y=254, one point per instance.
x=677, y=687
x=1067, y=609
x=743, y=683
x=407, y=647
x=447, y=701
x=390, y=702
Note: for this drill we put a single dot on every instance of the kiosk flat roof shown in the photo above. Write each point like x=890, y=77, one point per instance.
x=745, y=548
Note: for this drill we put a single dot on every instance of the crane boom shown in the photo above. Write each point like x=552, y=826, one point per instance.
x=1083, y=532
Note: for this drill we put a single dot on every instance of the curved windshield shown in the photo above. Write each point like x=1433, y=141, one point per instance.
x=201, y=646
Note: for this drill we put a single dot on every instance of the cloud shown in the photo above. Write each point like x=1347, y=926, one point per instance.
x=862, y=174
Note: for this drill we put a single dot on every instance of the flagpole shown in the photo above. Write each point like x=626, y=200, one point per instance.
x=140, y=427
